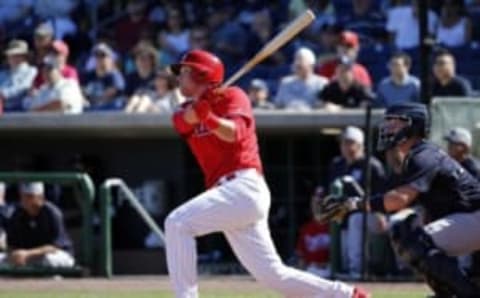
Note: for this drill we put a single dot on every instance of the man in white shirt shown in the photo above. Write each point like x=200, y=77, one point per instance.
x=57, y=94
x=17, y=80
x=300, y=90
x=403, y=25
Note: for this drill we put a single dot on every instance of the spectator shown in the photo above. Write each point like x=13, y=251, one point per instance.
x=36, y=233
x=459, y=142
x=299, y=91
x=345, y=91
x=261, y=32
x=145, y=56
x=129, y=31
x=175, y=39
x=330, y=37
x=164, y=56
x=57, y=94
x=455, y=29
x=12, y=11
x=403, y=25
x=58, y=15
x=313, y=244
x=352, y=162
x=199, y=38
x=459, y=147
x=163, y=98
x=446, y=82
x=473, y=6
x=324, y=12
x=400, y=86
x=42, y=42
x=60, y=51
x=258, y=93
x=15, y=83
x=247, y=10
x=349, y=47
x=229, y=38
x=364, y=19
x=105, y=85
x=91, y=61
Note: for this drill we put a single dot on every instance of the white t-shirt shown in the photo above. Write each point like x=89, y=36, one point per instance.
x=452, y=36
x=401, y=21
x=65, y=90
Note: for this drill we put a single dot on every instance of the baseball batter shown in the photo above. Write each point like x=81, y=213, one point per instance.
x=219, y=127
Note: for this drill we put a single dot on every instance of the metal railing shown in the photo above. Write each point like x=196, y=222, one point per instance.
x=84, y=192
x=106, y=221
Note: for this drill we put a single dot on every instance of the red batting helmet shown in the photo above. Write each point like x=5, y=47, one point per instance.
x=206, y=67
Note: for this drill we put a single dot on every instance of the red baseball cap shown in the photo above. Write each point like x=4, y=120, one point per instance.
x=349, y=39
x=60, y=47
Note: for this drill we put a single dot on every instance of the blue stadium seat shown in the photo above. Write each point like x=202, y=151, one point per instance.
x=475, y=81
x=378, y=71
x=475, y=20
x=460, y=53
x=272, y=86
x=342, y=7
x=277, y=72
x=468, y=66
x=374, y=53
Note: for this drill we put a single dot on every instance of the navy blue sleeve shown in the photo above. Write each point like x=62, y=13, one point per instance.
x=473, y=167
x=14, y=232
x=419, y=172
x=379, y=177
x=59, y=235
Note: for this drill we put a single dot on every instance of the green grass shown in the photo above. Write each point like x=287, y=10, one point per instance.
x=162, y=294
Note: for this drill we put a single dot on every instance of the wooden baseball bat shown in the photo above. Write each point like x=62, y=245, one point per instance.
x=278, y=41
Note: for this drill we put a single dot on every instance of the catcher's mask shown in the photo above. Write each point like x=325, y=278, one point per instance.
x=401, y=122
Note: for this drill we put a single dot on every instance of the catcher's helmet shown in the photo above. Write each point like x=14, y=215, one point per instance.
x=206, y=67
x=417, y=124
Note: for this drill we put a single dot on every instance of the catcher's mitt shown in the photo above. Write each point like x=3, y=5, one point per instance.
x=335, y=207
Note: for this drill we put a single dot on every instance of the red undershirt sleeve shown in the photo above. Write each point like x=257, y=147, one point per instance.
x=180, y=124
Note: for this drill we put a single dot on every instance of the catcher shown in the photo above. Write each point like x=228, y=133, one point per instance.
x=449, y=195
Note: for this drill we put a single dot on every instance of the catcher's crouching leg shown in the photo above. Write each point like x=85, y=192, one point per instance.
x=441, y=271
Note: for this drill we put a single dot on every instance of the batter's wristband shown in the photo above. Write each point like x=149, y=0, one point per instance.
x=212, y=122
x=376, y=204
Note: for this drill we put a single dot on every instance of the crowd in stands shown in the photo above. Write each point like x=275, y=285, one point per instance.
x=73, y=56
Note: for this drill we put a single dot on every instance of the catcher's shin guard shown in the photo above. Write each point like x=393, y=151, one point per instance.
x=440, y=290
x=417, y=248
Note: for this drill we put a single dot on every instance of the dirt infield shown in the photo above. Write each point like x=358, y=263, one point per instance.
x=242, y=284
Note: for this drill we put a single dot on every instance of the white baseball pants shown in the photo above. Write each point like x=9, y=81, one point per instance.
x=238, y=208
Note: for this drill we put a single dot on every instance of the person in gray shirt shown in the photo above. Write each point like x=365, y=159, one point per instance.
x=17, y=80
x=299, y=91
x=400, y=86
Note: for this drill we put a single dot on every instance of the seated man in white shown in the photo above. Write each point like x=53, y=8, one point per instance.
x=300, y=90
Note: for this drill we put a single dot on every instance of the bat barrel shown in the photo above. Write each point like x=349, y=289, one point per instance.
x=273, y=45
